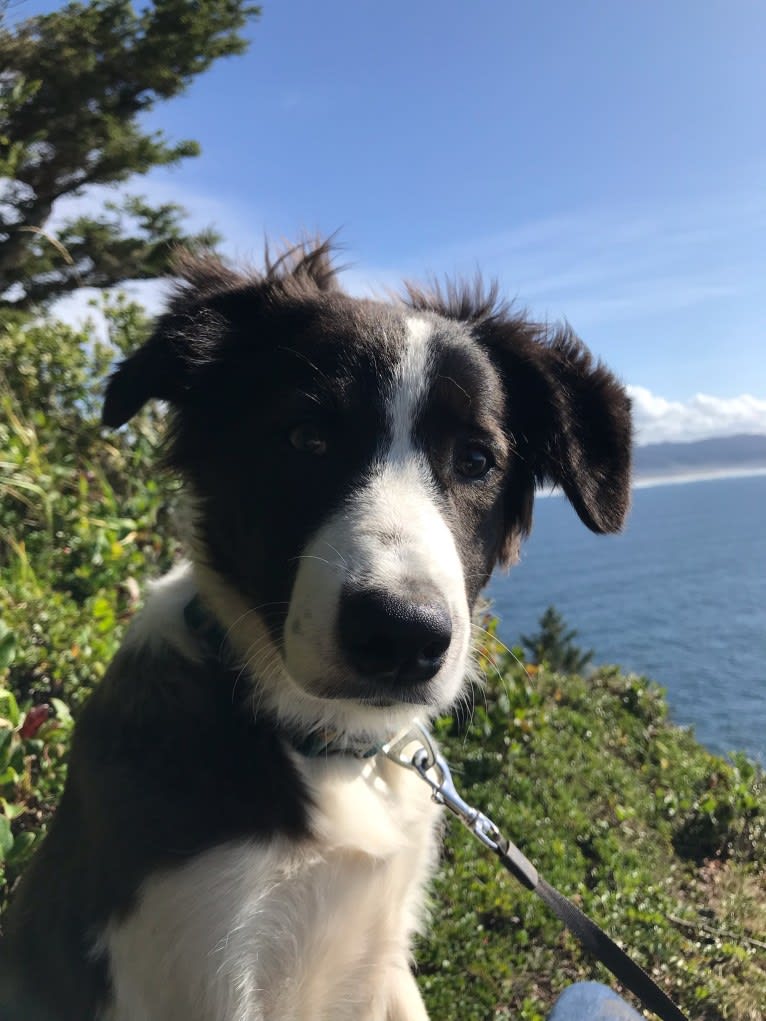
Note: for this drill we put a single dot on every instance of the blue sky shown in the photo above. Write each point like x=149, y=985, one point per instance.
x=605, y=160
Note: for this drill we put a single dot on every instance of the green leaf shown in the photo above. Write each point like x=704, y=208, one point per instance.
x=10, y=810
x=22, y=848
x=6, y=733
x=7, y=646
x=6, y=838
x=63, y=712
x=9, y=707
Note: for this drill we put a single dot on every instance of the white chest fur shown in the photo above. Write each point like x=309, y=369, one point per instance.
x=289, y=931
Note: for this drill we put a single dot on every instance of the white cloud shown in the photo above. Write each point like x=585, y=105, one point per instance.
x=659, y=420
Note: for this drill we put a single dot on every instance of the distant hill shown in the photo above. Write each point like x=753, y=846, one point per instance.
x=723, y=453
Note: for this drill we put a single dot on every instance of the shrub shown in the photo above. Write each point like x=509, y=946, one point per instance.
x=83, y=520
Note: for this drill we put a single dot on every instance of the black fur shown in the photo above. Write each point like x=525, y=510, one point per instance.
x=165, y=763
x=218, y=350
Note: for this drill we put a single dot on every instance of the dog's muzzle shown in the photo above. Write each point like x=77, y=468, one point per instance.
x=393, y=641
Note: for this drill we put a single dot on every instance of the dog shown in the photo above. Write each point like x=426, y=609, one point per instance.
x=230, y=845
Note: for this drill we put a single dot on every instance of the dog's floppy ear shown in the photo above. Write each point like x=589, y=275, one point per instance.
x=183, y=340
x=153, y=371
x=570, y=426
x=188, y=338
x=568, y=416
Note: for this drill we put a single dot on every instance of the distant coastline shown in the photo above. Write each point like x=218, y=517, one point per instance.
x=675, y=464
x=722, y=457
x=681, y=478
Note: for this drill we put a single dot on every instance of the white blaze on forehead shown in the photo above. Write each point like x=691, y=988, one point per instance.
x=391, y=535
x=409, y=386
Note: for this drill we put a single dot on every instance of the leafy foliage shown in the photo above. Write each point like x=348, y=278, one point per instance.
x=83, y=520
x=32, y=769
x=74, y=86
x=661, y=842
x=599, y=790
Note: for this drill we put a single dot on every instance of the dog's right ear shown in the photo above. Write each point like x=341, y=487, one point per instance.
x=188, y=338
x=155, y=370
x=184, y=339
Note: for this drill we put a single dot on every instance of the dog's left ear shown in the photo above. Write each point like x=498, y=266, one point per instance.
x=570, y=425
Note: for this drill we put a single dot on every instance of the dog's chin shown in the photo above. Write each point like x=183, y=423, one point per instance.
x=376, y=693
x=381, y=695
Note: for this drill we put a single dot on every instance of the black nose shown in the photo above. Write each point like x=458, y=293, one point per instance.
x=392, y=639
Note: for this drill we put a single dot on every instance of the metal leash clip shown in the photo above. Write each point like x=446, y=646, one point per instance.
x=415, y=750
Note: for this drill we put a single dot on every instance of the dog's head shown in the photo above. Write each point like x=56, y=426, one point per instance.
x=359, y=467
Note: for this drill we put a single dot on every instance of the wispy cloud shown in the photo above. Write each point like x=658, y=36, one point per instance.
x=659, y=420
x=614, y=263
x=591, y=265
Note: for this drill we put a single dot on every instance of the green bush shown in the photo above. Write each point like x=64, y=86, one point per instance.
x=83, y=521
x=596, y=786
x=33, y=745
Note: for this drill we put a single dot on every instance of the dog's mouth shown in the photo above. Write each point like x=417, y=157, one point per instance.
x=379, y=693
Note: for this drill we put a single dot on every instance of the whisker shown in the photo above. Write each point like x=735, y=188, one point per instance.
x=252, y=609
x=250, y=660
x=337, y=552
x=312, y=556
x=502, y=645
x=303, y=357
x=260, y=671
x=468, y=699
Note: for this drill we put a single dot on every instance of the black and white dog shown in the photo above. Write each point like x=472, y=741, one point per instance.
x=229, y=846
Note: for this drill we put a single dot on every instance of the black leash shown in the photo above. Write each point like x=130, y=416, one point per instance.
x=596, y=941
x=415, y=750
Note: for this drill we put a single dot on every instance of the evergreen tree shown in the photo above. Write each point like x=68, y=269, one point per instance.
x=554, y=645
x=74, y=85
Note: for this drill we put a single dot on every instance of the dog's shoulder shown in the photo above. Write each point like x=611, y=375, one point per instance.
x=166, y=763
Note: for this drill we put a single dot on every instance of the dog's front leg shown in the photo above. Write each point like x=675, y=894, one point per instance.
x=405, y=1002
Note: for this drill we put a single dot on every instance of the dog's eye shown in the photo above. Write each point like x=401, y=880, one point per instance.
x=473, y=461
x=308, y=438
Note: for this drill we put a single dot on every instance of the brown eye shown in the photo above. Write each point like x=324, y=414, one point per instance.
x=473, y=461
x=309, y=439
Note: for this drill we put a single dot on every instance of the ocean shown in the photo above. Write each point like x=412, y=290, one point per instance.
x=680, y=597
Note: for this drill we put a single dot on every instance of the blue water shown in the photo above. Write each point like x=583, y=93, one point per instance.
x=680, y=596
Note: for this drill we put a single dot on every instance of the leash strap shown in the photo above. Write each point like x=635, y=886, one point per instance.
x=598, y=943
x=415, y=750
